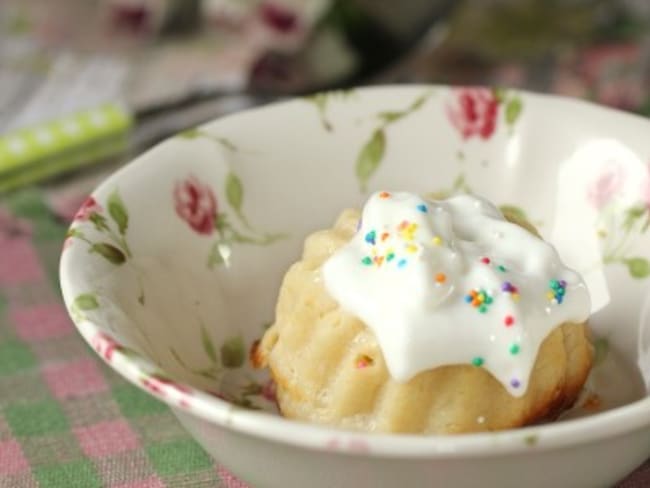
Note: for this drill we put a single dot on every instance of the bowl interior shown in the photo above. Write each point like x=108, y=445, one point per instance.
x=174, y=264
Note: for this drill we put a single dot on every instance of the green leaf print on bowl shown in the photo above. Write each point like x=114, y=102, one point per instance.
x=83, y=303
x=196, y=203
x=370, y=157
x=207, y=345
x=117, y=211
x=601, y=350
x=514, y=107
x=230, y=355
x=638, y=267
x=233, y=353
x=322, y=101
x=513, y=211
x=109, y=252
x=635, y=224
x=458, y=187
x=372, y=152
x=86, y=301
x=113, y=246
x=198, y=133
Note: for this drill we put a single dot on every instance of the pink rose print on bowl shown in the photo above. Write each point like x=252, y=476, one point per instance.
x=88, y=208
x=475, y=111
x=105, y=345
x=627, y=223
x=606, y=186
x=159, y=385
x=196, y=204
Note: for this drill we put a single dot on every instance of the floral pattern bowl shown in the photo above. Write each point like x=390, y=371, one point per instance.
x=172, y=266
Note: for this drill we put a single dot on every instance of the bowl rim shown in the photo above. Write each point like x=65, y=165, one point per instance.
x=265, y=426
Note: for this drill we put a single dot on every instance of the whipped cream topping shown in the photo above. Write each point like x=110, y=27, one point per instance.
x=453, y=282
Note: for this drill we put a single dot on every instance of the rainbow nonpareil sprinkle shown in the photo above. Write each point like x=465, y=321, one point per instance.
x=407, y=230
x=507, y=287
x=479, y=299
x=383, y=244
x=557, y=290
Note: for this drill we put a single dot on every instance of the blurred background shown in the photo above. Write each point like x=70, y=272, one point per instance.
x=86, y=84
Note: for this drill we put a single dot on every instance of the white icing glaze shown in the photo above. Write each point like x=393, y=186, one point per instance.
x=410, y=268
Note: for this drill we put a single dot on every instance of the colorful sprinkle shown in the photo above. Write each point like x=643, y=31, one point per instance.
x=370, y=237
x=508, y=287
x=479, y=299
x=508, y=320
x=441, y=278
x=502, y=268
x=478, y=361
x=390, y=256
x=384, y=236
x=401, y=263
x=557, y=290
x=514, y=349
x=367, y=261
x=423, y=208
x=515, y=383
x=411, y=248
x=407, y=230
x=384, y=195
x=485, y=260
x=436, y=241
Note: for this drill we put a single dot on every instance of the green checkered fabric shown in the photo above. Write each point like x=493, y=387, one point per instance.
x=66, y=419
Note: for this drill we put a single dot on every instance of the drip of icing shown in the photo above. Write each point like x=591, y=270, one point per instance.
x=453, y=282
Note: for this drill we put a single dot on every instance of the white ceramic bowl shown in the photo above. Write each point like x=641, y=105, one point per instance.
x=173, y=265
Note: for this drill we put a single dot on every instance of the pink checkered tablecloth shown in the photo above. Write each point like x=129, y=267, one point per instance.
x=66, y=419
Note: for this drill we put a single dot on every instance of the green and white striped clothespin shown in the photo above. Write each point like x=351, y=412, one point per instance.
x=34, y=153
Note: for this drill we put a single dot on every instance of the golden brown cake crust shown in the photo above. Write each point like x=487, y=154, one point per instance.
x=329, y=368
